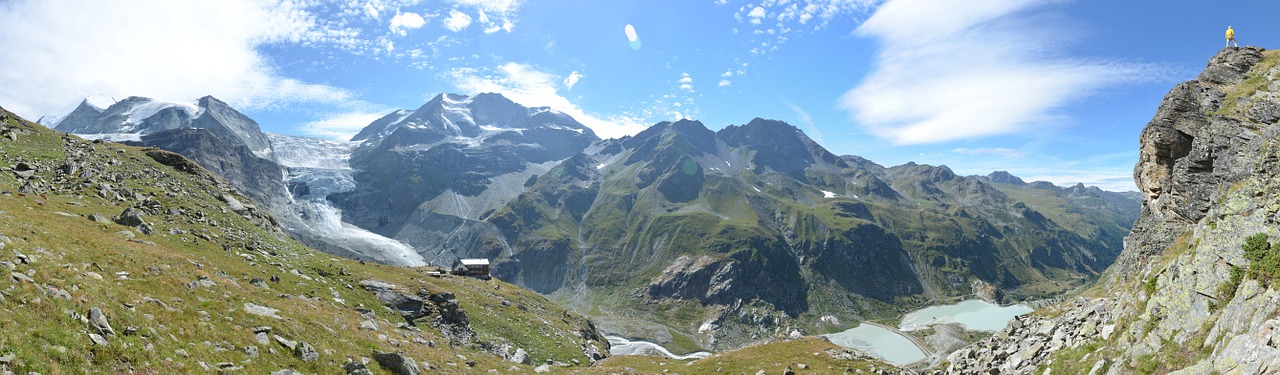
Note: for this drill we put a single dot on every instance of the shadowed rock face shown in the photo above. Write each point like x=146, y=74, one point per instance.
x=1186, y=152
x=260, y=179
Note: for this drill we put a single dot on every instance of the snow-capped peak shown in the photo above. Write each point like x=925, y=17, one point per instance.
x=142, y=110
x=101, y=102
x=53, y=118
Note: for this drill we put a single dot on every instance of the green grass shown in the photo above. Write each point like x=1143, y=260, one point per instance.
x=1227, y=290
x=1074, y=361
x=1264, y=262
x=1258, y=79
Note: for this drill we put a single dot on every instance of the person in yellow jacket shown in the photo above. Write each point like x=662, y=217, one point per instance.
x=1231, y=37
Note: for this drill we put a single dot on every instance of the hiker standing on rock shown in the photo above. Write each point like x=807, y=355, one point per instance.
x=1231, y=37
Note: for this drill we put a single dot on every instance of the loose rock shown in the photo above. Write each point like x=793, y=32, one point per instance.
x=396, y=363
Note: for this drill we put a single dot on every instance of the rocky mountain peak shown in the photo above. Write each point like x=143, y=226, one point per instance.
x=83, y=112
x=1004, y=177
x=779, y=146
x=136, y=116
x=1230, y=65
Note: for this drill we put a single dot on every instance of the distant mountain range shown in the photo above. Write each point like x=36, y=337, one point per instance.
x=727, y=236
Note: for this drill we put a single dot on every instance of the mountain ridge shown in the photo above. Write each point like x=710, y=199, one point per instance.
x=705, y=215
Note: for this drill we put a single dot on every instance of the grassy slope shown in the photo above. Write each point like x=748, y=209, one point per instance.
x=209, y=324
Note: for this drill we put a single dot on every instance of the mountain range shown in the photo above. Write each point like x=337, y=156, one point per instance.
x=722, y=237
x=748, y=232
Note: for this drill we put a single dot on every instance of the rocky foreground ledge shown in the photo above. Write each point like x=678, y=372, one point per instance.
x=1031, y=339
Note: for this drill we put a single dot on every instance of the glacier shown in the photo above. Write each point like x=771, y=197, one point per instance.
x=318, y=168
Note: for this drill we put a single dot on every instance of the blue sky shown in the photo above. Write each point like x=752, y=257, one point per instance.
x=1048, y=90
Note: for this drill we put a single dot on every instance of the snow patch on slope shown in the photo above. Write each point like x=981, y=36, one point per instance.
x=113, y=137
x=141, y=111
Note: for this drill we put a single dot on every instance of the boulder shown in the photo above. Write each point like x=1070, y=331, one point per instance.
x=396, y=363
x=305, y=352
x=98, y=321
x=130, y=217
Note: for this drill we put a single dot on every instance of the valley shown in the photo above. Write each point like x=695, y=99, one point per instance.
x=688, y=238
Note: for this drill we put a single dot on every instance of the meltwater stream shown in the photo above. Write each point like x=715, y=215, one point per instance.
x=623, y=346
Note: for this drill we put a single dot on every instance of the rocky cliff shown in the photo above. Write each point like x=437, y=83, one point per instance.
x=1194, y=291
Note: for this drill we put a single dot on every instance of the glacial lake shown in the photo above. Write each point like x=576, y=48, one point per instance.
x=881, y=342
x=896, y=348
x=973, y=314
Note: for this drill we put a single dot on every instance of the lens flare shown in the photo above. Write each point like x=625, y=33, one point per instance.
x=632, y=38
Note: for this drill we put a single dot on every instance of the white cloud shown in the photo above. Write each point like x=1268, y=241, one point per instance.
x=723, y=83
x=147, y=48
x=457, y=21
x=727, y=73
x=987, y=72
x=341, y=126
x=492, y=15
x=409, y=20
x=756, y=15
x=572, y=79
x=529, y=87
x=772, y=21
x=686, y=82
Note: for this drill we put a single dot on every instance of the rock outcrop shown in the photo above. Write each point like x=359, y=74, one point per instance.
x=1182, y=297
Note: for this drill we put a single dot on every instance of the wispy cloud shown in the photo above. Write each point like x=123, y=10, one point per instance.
x=806, y=120
x=493, y=6
x=968, y=69
x=772, y=23
x=493, y=15
x=103, y=48
x=531, y=87
x=1001, y=152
